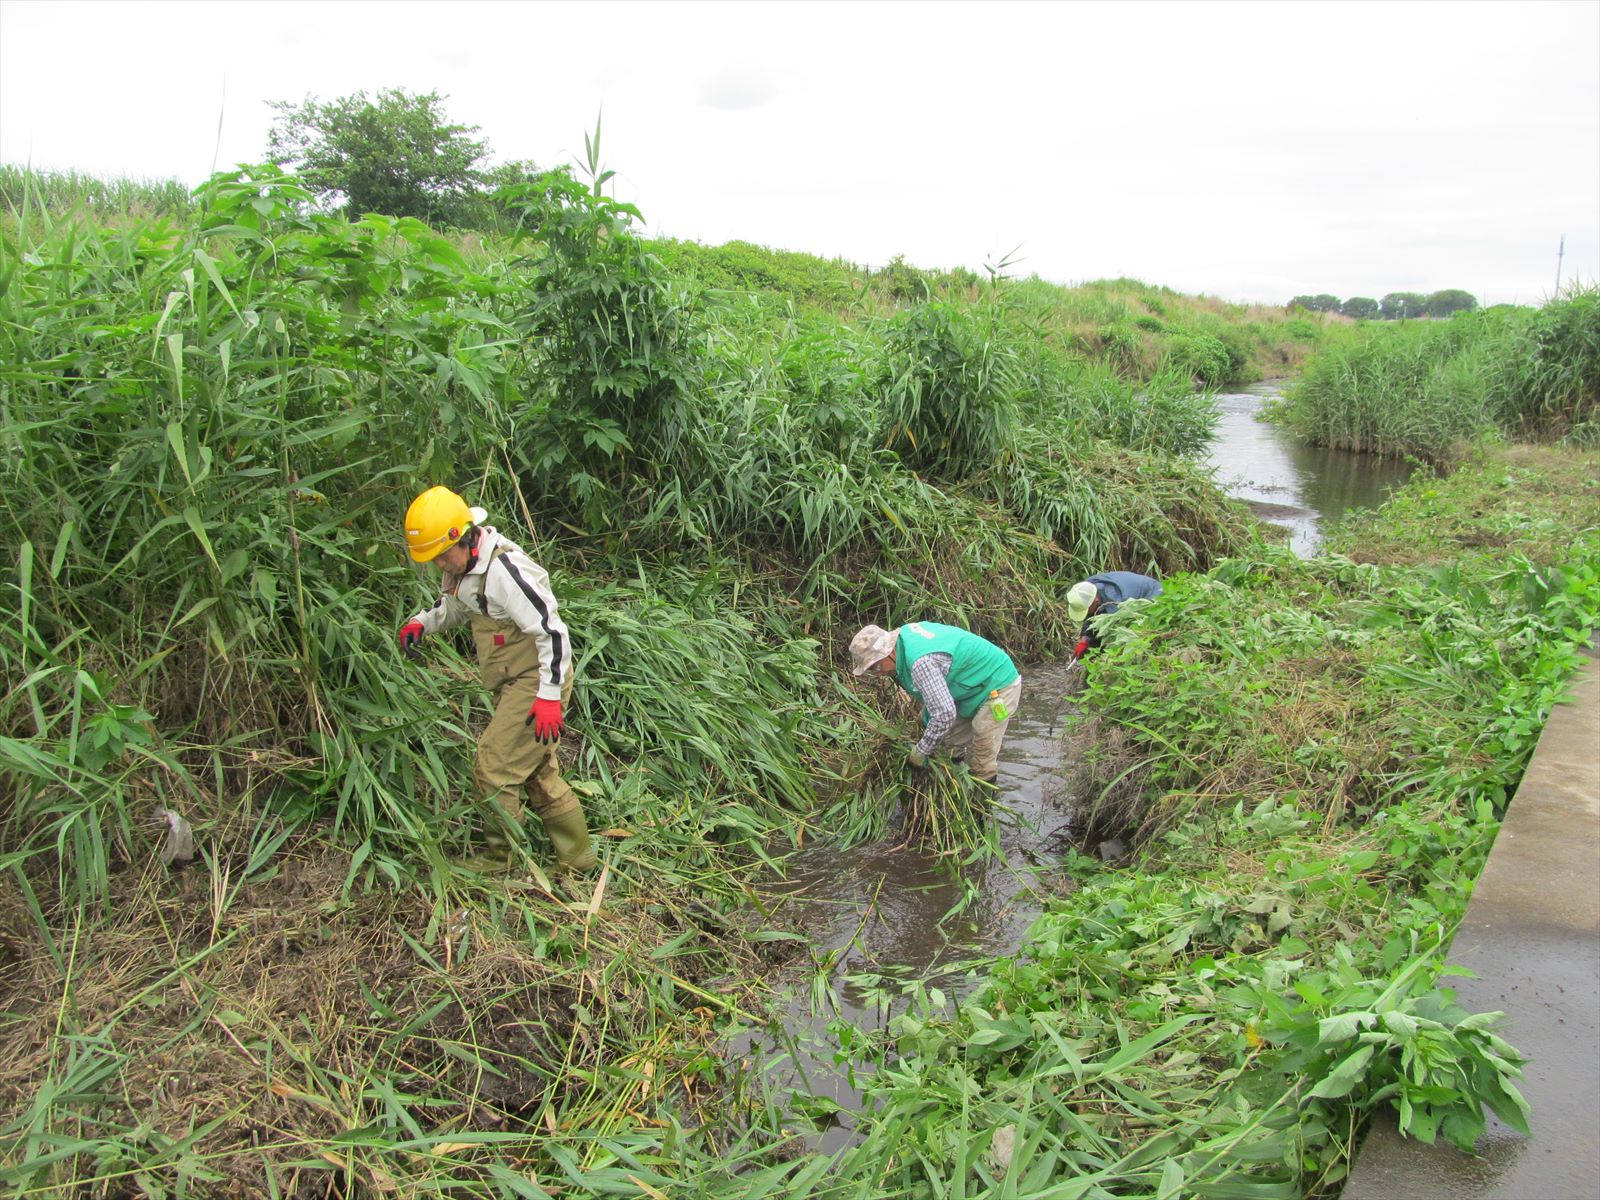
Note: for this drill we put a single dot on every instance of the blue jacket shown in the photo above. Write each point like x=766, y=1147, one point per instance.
x=1113, y=587
x=1116, y=586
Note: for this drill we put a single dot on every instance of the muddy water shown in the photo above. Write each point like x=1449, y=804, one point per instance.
x=895, y=912
x=1303, y=488
x=892, y=912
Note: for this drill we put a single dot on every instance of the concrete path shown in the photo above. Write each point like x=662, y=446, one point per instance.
x=1532, y=936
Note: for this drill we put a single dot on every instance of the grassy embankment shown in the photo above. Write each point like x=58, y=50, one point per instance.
x=1432, y=388
x=210, y=427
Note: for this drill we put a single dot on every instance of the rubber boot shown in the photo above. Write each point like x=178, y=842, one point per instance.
x=494, y=857
x=569, y=834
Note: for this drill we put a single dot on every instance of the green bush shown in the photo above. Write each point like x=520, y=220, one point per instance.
x=949, y=381
x=1202, y=356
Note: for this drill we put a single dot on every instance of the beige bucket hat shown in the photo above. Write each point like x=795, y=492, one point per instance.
x=870, y=646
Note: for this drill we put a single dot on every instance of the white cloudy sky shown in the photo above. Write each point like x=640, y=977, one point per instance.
x=1247, y=150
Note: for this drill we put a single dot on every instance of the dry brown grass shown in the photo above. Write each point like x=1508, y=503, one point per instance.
x=268, y=1022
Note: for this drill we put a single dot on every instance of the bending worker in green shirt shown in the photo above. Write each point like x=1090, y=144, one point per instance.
x=969, y=687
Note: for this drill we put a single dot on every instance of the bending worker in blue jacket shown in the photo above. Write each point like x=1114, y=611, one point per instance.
x=1103, y=593
x=969, y=687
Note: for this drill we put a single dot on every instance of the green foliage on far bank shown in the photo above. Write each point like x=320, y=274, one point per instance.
x=1427, y=388
x=1395, y=306
x=1131, y=330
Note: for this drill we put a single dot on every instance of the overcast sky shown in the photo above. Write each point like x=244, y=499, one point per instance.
x=1250, y=151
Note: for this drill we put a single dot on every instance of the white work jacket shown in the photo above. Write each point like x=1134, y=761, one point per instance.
x=504, y=585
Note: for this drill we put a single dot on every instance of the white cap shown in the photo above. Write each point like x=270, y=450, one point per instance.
x=1079, y=599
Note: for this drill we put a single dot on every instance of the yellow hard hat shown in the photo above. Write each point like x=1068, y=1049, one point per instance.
x=435, y=522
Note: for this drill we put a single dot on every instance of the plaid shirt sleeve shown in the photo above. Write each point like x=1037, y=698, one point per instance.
x=928, y=673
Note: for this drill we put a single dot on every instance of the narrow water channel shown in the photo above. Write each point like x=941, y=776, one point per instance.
x=1306, y=489
x=891, y=911
x=895, y=911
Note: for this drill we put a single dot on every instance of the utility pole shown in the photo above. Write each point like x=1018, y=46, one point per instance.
x=1560, y=254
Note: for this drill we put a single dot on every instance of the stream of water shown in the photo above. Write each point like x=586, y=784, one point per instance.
x=889, y=910
x=1304, y=488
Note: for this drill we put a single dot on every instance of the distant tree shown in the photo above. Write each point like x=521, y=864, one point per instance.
x=1319, y=303
x=509, y=174
x=1397, y=306
x=497, y=211
x=904, y=282
x=1449, y=302
x=1362, y=308
x=395, y=154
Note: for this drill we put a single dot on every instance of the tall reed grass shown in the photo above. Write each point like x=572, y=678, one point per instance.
x=1427, y=388
x=63, y=192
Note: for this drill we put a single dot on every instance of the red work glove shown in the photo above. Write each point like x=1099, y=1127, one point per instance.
x=410, y=636
x=545, y=717
x=1077, y=651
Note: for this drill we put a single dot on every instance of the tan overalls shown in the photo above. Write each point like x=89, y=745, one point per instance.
x=510, y=758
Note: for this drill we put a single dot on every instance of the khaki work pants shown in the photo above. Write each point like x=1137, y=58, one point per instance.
x=981, y=735
x=511, y=760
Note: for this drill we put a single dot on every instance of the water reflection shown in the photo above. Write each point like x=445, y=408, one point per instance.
x=1304, y=488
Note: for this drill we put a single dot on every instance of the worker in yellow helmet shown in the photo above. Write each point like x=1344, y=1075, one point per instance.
x=525, y=659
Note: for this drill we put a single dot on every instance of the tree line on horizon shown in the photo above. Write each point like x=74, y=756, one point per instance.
x=1395, y=306
x=397, y=153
